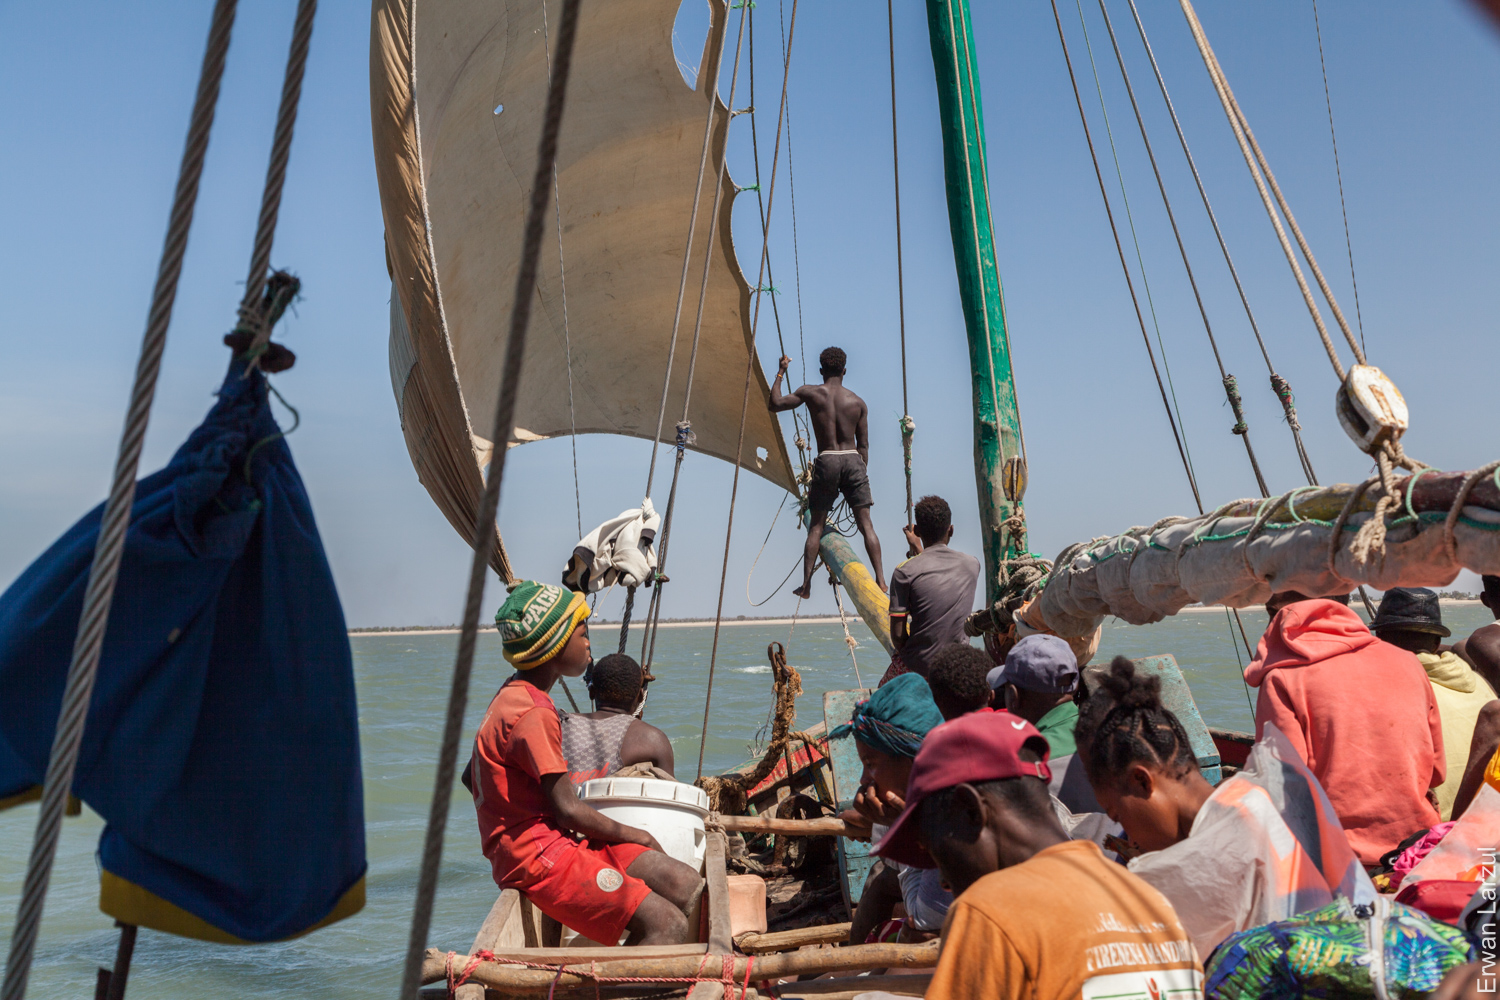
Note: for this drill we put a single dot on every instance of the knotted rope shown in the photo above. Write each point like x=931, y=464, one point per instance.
x=108, y=550
x=252, y=318
x=1369, y=542
x=726, y=793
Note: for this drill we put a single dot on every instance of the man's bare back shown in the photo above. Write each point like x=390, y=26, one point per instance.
x=840, y=422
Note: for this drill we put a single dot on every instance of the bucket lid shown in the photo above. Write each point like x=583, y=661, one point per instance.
x=654, y=789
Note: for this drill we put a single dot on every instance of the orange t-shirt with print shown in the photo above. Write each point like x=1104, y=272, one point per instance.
x=1065, y=925
x=518, y=744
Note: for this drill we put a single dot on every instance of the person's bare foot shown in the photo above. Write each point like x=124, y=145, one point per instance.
x=804, y=591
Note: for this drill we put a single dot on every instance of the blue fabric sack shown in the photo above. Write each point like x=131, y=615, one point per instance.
x=222, y=741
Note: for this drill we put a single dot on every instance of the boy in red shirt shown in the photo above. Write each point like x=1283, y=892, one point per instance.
x=609, y=878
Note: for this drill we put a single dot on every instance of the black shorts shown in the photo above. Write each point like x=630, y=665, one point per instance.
x=835, y=474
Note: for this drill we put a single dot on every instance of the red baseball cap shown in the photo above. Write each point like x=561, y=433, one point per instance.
x=979, y=746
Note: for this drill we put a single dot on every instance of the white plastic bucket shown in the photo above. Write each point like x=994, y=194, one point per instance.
x=671, y=811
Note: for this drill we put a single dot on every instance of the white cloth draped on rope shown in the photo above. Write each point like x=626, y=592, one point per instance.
x=618, y=551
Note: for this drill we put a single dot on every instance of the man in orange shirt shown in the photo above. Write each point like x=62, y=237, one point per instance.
x=1039, y=916
x=615, y=879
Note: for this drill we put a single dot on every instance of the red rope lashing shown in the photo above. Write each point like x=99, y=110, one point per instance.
x=454, y=982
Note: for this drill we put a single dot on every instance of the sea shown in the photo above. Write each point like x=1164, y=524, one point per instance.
x=403, y=681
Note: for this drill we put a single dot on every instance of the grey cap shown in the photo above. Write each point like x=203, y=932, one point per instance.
x=1038, y=663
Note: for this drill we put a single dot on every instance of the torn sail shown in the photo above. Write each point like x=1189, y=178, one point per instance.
x=457, y=93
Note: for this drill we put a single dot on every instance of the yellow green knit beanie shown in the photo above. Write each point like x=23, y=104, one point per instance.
x=537, y=620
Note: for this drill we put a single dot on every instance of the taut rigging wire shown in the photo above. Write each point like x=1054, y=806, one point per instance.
x=1278, y=384
x=1260, y=172
x=484, y=521
x=562, y=272
x=750, y=364
x=907, y=426
x=684, y=428
x=1241, y=428
x=1120, y=250
x=1339, y=173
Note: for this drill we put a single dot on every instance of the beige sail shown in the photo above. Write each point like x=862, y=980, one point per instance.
x=457, y=91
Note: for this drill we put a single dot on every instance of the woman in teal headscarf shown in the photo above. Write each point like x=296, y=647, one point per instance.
x=888, y=730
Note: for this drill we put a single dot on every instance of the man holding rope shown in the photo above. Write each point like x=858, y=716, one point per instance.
x=840, y=422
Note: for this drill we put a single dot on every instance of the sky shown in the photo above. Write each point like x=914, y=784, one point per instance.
x=95, y=97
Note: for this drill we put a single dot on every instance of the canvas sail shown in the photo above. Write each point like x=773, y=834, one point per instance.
x=457, y=92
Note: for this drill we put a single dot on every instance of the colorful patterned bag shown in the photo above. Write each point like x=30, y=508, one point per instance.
x=1382, y=951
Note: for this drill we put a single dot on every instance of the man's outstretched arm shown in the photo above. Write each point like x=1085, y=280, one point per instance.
x=778, y=402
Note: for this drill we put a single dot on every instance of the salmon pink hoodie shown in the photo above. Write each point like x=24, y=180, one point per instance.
x=1362, y=715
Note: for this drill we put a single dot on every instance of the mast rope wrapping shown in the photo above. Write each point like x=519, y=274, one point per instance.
x=484, y=522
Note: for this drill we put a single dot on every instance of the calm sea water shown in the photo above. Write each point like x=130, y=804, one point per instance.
x=402, y=687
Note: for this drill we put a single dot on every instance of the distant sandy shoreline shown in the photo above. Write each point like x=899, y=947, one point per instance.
x=818, y=620
x=814, y=620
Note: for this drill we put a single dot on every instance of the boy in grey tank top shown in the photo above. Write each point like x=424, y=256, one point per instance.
x=597, y=744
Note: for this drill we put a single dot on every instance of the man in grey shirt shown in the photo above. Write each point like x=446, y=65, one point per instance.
x=933, y=591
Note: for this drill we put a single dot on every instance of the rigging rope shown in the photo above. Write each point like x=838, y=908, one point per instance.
x=252, y=316
x=844, y=621
x=908, y=426
x=687, y=254
x=1120, y=249
x=1279, y=385
x=1260, y=172
x=1339, y=173
x=104, y=572
x=799, y=427
x=750, y=364
x=685, y=434
x=1135, y=240
x=1231, y=389
x=562, y=272
x=484, y=526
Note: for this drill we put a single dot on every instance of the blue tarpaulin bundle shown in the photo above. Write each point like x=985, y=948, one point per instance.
x=222, y=742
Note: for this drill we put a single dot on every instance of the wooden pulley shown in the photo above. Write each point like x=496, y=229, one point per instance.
x=1013, y=478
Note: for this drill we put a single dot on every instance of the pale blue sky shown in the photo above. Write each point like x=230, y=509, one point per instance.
x=95, y=100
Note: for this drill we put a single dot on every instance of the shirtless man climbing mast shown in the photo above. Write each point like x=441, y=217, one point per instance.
x=840, y=422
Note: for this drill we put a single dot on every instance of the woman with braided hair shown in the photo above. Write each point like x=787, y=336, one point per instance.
x=1265, y=845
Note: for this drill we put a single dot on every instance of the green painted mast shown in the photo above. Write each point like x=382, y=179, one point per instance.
x=999, y=467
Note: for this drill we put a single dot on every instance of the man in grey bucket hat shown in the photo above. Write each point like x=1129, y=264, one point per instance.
x=1038, y=682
